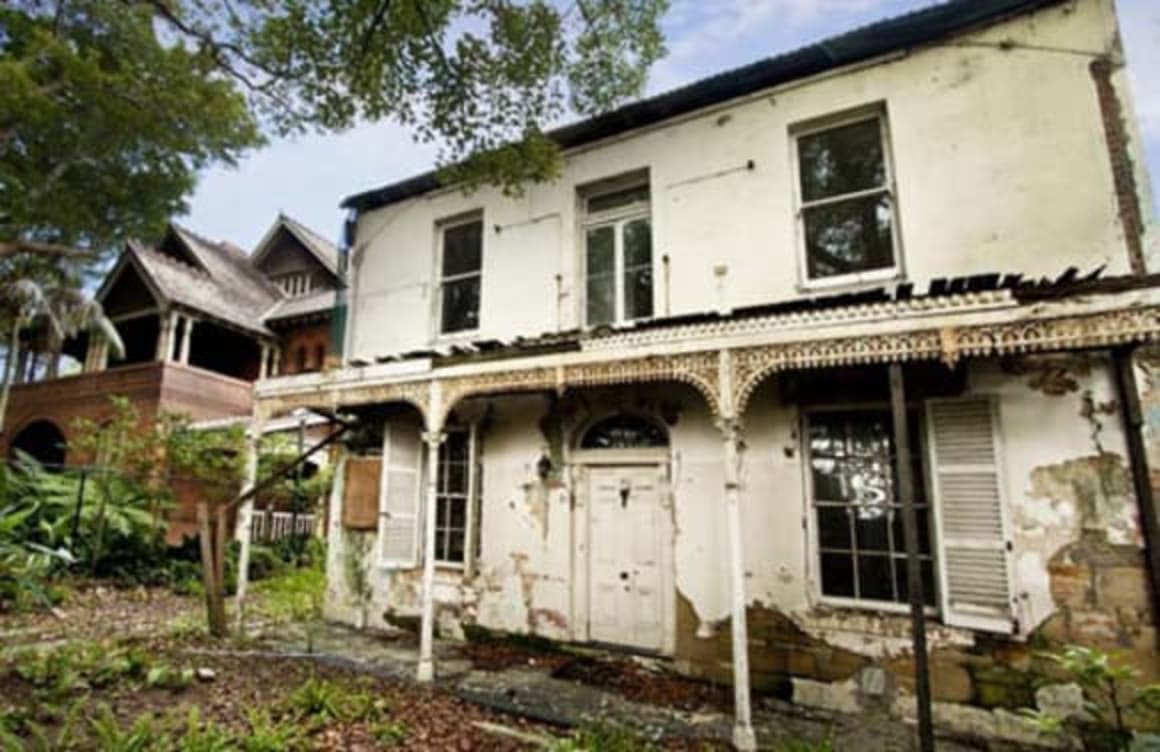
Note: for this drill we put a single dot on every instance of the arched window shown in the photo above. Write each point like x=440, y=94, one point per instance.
x=43, y=441
x=624, y=431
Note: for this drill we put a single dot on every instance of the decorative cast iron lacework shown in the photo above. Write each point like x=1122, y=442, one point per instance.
x=624, y=432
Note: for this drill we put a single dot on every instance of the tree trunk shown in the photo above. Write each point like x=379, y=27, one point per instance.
x=214, y=603
x=9, y=367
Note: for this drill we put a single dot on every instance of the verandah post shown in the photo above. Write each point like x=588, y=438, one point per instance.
x=913, y=565
x=744, y=737
x=432, y=438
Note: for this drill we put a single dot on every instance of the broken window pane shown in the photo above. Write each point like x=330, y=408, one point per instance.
x=849, y=237
x=857, y=512
x=846, y=212
x=842, y=160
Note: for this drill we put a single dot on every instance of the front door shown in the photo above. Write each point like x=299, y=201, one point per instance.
x=625, y=543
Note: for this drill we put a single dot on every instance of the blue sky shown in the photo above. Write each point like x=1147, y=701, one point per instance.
x=307, y=177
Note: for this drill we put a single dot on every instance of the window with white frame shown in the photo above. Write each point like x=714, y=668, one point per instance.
x=454, y=501
x=461, y=276
x=847, y=210
x=618, y=270
x=296, y=284
x=861, y=552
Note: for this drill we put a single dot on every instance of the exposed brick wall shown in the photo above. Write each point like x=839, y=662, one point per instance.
x=1123, y=174
x=311, y=338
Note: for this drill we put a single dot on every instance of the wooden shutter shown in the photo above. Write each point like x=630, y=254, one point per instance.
x=973, y=554
x=399, y=510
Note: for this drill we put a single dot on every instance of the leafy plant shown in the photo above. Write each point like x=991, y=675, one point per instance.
x=389, y=733
x=140, y=736
x=201, y=736
x=318, y=701
x=1112, y=698
x=267, y=734
x=603, y=737
x=295, y=596
x=164, y=676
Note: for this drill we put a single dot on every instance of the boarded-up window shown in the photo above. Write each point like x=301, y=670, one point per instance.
x=360, y=503
x=968, y=493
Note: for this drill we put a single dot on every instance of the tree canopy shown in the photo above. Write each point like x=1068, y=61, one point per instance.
x=109, y=108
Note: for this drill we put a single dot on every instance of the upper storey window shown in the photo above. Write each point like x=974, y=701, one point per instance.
x=296, y=284
x=847, y=212
x=461, y=274
x=618, y=268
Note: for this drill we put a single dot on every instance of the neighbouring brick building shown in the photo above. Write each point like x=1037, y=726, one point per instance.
x=200, y=322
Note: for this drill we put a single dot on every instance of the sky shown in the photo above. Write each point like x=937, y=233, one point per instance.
x=308, y=177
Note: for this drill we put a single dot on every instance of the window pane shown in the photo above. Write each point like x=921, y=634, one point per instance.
x=458, y=516
x=462, y=248
x=461, y=305
x=454, y=551
x=617, y=199
x=624, y=432
x=870, y=522
x=838, y=575
x=829, y=482
x=601, y=250
x=923, y=516
x=928, y=584
x=849, y=237
x=638, y=296
x=600, y=296
x=834, y=527
x=841, y=160
x=638, y=243
x=875, y=578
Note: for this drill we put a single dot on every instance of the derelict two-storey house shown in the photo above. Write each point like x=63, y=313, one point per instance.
x=652, y=404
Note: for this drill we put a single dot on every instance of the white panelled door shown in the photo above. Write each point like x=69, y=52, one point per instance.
x=626, y=539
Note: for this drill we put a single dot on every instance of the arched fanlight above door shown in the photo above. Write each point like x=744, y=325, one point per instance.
x=624, y=431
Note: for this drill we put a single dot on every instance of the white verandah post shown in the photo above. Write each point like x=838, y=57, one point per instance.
x=432, y=438
x=730, y=424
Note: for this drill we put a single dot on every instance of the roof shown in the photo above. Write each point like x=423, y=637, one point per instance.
x=322, y=249
x=306, y=305
x=891, y=35
x=222, y=296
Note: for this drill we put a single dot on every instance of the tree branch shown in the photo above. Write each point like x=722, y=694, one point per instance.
x=35, y=247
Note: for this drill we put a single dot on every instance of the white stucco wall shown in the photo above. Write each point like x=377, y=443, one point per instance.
x=1000, y=162
x=529, y=577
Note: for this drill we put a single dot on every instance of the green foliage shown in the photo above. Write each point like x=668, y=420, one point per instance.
x=603, y=737
x=389, y=733
x=1113, y=699
x=267, y=734
x=165, y=676
x=201, y=736
x=108, y=111
x=111, y=736
x=59, y=672
x=104, y=122
x=318, y=702
x=294, y=595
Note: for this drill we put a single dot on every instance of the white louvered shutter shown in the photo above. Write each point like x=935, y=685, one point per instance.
x=974, y=563
x=399, y=503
